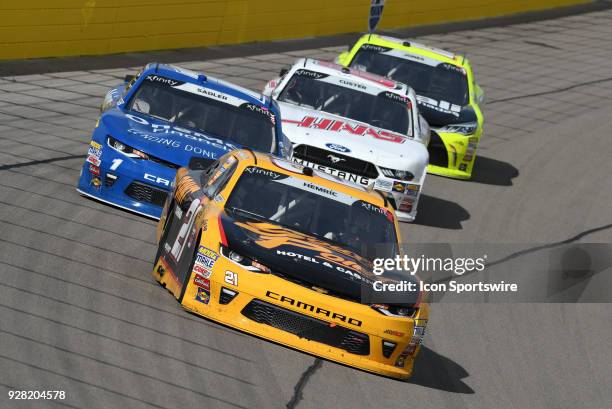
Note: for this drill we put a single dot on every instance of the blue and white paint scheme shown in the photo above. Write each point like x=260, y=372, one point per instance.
x=134, y=154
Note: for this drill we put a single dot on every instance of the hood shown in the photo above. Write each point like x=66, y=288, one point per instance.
x=160, y=139
x=356, y=139
x=298, y=256
x=437, y=115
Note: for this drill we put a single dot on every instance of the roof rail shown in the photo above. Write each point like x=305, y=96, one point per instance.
x=383, y=196
x=252, y=153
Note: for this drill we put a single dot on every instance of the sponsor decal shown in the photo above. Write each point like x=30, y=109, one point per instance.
x=206, y=257
x=163, y=80
x=94, y=160
x=94, y=170
x=260, y=110
x=395, y=97
x=452, y=67
x=313, y=308
x=383, y=185
x=360, y=180
x=399, y=186
x=201, y=270
x=310, y=74
x=201, y=281
x=373, y=208
x=321, y=262
x=203, y=295
x=440, y=106
x=337, y=148
x=347, y=127
x=266, y=172
x=463, y=167
x=394, y=333
x=270, y=236
x=406, y=205
x=412, y=190
x=375, y=48
x=94, y=152
x=164, y=135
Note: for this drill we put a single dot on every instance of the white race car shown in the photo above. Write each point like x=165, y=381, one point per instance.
x=357, y=126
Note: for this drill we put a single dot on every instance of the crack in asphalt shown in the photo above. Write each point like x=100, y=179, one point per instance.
x=40, y=162
x=535, y=249
x=554, y=91
x=301, y=384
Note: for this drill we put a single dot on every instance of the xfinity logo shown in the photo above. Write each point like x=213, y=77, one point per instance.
x=162, y=80
x=337, y=148
x=310, y=74
x=335, y=159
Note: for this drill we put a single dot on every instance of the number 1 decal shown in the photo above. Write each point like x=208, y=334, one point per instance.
x=116, y=164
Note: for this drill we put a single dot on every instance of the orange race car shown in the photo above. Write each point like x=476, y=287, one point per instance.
x=280, y=251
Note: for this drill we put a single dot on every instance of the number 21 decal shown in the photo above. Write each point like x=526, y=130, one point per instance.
x=231, y=278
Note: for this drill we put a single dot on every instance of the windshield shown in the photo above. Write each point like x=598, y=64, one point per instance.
x=314, y=209
x=442, y=82
x=385, y=110
x=248, y=125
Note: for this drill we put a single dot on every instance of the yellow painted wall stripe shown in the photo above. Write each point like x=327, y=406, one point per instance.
x=48, y=28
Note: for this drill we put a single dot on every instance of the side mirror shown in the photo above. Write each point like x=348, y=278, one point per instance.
x=128, y=78
x=479, y=93
x=283, y=72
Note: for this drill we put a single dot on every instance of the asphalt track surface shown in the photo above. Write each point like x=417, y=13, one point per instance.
x=80, y=312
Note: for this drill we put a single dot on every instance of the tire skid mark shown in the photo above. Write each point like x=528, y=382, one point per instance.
x=46, y=148
x=553, y=91
x=123, y=215
x=103, y=362
x=194, y=343
x=93, y=246
x=41, y=161
x=39, y=177
x=114, y=273
x=98, y=290
x=72, y=378
x=67, y=220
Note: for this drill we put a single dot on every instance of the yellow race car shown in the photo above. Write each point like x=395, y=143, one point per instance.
x=283, y=252
x=447, y=94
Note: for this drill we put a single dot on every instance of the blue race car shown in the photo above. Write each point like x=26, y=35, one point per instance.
x=167, y=117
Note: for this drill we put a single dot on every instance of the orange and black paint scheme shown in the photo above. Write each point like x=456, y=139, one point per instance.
x=266, y=292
